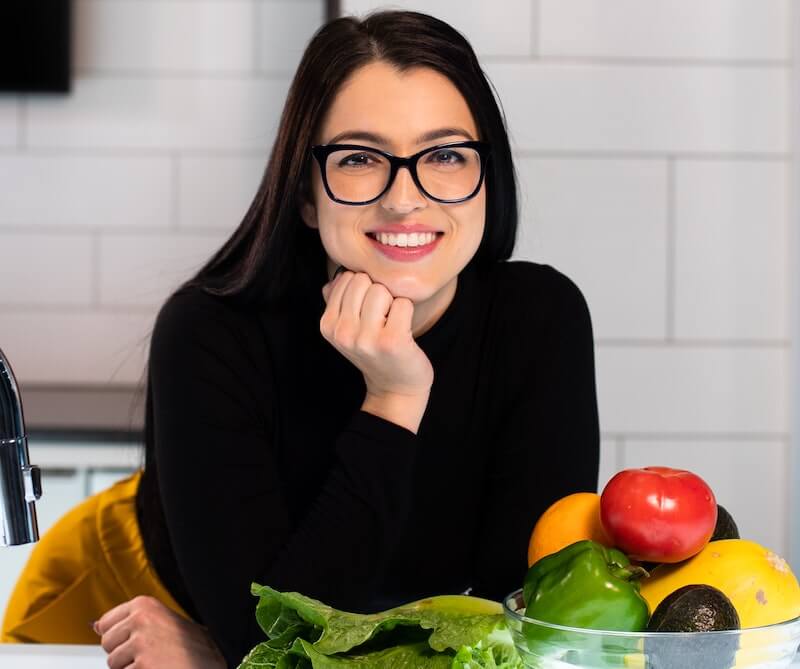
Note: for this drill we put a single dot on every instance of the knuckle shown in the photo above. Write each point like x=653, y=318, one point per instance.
x=344, y=336
x=365, y=343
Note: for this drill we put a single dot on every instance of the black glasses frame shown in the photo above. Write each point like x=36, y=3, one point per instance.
x=322, y=151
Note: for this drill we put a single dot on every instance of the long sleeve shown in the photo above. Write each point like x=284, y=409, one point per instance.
x=547, y=443
x=222, y=492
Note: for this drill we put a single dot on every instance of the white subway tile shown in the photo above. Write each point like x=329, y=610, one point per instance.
x=712, y=29
x=644, y=108
x=604, y=224
x=142, y=270
x=491, y=29
x=698, y=390
x=75, y=348
x=285, y=29
x=197, y=36
x=161, y=113
x=101, y=190
x=609, y=464
x=216, y=191
x=38, y=269
x=8, y=121
x=747, y=477
x=731, y=269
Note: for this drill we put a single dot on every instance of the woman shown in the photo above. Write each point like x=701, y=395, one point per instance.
x=372, y=435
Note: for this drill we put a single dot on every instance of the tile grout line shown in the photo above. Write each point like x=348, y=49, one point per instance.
x=257, y=14
x=124, y=151
x=741, y=437
x=633, y=61
x=96, y=269
x=670, y=252
x=175, y=208
x=536, y=19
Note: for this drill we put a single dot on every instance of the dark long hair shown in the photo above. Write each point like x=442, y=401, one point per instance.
x=272, y=244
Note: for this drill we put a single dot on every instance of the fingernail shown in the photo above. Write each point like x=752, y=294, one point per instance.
x=339, y=270
x=93, y=625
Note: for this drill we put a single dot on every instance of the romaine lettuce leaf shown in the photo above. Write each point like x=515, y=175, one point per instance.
x=431, y=633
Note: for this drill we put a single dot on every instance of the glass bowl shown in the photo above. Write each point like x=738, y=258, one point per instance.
x=543, y=645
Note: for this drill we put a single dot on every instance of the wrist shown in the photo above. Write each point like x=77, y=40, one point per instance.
x=404, y=410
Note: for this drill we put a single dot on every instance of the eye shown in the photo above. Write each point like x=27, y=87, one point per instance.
x=446, y=157
x=355, y=160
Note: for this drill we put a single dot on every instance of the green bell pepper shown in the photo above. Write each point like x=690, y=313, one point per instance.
x=586, y=585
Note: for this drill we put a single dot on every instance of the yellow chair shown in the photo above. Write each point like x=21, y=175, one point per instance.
x=90, y=561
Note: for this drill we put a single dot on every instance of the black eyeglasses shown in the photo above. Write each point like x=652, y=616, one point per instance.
x=448, y=173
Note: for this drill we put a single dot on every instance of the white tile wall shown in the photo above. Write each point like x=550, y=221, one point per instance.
x=604, y=223
x=676, y=29
x=215, y=191
x=697, y=390
x=748, y=478
x=78, y=190
x=504, y=29
x=731, y=267
x=610, y=460
x=651, y=138
x=288, y=25
x=142, y=270
x=77, y=346
x=149, y=112
x=8, y=121
x=650, y=108
x=167, y=36
x=46, y=269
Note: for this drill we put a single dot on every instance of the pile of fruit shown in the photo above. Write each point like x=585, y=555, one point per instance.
x=653, y=552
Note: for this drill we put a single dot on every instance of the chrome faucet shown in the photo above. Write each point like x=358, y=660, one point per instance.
x=20, y=482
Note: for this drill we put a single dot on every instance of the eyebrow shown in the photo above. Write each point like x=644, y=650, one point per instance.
x=380, y=139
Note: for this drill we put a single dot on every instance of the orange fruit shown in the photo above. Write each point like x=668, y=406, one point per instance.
x=570, y=519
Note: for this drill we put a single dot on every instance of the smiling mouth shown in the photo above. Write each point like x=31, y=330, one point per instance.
x=386, y=238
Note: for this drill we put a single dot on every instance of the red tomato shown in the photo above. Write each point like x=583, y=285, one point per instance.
x=658, y=514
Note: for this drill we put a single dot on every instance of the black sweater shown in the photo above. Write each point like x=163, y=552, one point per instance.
x=261, y=466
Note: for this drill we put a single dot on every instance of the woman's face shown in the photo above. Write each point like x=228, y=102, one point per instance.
x=400, y=108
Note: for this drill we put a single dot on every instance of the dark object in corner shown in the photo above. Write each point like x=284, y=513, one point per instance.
x=35, y=37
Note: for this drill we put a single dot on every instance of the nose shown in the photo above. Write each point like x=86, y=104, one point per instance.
x=403, y=195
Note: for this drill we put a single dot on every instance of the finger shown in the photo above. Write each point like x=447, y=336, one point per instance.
x=400, y=315
x=117, y=635
x=337, y=290
x=375, y=308
x=112, y=617
x=122, y=656
x=353, y=297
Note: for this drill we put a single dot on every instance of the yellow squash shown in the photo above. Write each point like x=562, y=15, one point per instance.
x=760, y=584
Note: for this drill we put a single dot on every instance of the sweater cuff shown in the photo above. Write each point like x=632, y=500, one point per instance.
x=375, y=427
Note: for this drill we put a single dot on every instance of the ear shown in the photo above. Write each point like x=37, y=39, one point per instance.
x=309, y=214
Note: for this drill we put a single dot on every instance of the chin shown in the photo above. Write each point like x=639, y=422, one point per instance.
x=410, y=289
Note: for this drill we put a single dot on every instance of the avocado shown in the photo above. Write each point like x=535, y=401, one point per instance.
x=726, y=527
x=693, y=608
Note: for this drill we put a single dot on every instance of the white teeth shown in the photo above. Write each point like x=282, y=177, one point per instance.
x=403, y=239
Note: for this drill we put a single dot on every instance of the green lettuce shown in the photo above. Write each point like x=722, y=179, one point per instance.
x=445, y=632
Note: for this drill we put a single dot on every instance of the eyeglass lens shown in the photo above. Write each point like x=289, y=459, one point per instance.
x=361, y=175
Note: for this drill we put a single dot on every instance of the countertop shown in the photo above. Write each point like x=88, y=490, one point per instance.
x=22, y=656
x=46, y=656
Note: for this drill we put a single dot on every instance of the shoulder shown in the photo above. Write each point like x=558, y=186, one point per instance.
x=192, y=318
x=526, y=290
